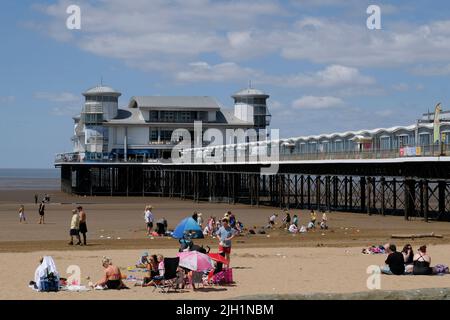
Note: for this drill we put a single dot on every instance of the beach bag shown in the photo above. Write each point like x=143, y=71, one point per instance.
x=49, y=283
x=441, y=268
x=228, y=275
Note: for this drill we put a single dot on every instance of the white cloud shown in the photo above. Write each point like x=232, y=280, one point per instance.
x=222, y=72
x=151, y=34
x=58, y=97
x=314, y=102
x=323, y=40
x=334, y=76
x=331, y=76
x=442, y=70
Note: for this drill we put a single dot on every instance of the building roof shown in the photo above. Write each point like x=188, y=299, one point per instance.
x=101, y=90
x=128, y=116
x=362, y=132
x=174, y=102
x=250, y=92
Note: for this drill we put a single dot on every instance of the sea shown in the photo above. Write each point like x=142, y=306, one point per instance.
x=29, y=179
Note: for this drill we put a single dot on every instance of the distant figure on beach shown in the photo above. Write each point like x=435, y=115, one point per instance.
x=225, y=234
x=36, y=197
x=395, y=263
x=422, y=262
x=22, y=214
x=83, y=223
x=161, y=226
x=148, y=217
x=313, y=217
x=232, y=219
x=287, y=219
x=41, y=212
x=200, y=220
x=112, y=278
x=195, y=216
x=293, y=228
x=75, y=227
x=295, y=220
x=324, y=217
x=47, y=198
x=272, y=219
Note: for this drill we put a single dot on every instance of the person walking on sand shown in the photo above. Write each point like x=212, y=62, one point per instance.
x=148, y=217
x=22, y=214
x=225, y=234
x=36, y=197
x=41, y=212
x=75, y=227
x=83, y=224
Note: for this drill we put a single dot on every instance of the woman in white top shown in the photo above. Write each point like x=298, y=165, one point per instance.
x=148, y=217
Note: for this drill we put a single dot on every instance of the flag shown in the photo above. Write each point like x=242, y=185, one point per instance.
x=437, y=123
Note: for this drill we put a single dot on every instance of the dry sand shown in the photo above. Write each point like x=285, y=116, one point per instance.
x=279, y=263
x=256, y=272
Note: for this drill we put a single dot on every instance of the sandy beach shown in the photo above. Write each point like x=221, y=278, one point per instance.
x=274, y=263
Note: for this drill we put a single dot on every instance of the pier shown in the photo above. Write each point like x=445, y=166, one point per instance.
x=416, y=187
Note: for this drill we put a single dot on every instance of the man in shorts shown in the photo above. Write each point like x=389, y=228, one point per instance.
x=225, y=234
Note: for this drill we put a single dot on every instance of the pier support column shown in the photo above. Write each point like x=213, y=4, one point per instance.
x=441, y=190
x=410, y=194
x=369, y=195
x=383, y=193
x=318, y=200
x=362, y=186
x=425, y=200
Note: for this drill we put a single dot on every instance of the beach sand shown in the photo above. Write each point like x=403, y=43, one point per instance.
x=256, y=272
x=275, y=263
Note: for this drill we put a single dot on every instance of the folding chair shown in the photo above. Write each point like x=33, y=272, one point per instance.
x=170, y=277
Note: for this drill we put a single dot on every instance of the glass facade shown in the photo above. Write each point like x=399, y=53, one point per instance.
x=177, y=116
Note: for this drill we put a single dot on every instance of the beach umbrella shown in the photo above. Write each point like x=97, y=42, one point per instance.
x=195, y=261
x=188, y=225
x=218, y=257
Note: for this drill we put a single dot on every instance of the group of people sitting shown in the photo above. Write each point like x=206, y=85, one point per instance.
x=408, y=262
x=155, y=271
x=292, y=224
x=213, y=225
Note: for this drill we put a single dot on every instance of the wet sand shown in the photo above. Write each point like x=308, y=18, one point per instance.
x=329, y=261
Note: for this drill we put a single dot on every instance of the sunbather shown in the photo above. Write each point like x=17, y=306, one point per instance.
x=112, y=278
x=421, y=262
x=158, y=277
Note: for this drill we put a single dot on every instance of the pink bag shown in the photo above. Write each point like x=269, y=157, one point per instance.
x=228, y=275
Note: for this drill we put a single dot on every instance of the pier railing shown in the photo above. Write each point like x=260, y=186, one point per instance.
x=285, y=155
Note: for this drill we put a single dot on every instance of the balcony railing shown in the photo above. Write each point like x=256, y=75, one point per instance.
x=286, y=155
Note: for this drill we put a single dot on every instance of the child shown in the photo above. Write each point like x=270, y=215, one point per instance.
x=143, y=261
x=22, y=214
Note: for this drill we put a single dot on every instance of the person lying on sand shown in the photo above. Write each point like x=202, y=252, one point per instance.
x=112, y=278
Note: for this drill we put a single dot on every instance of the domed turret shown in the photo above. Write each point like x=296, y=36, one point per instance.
x=250, y=105
x=102, y=100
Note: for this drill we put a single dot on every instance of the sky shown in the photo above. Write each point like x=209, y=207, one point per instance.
x=324, y=69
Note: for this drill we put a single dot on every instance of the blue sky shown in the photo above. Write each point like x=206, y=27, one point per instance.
x=324, y=70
